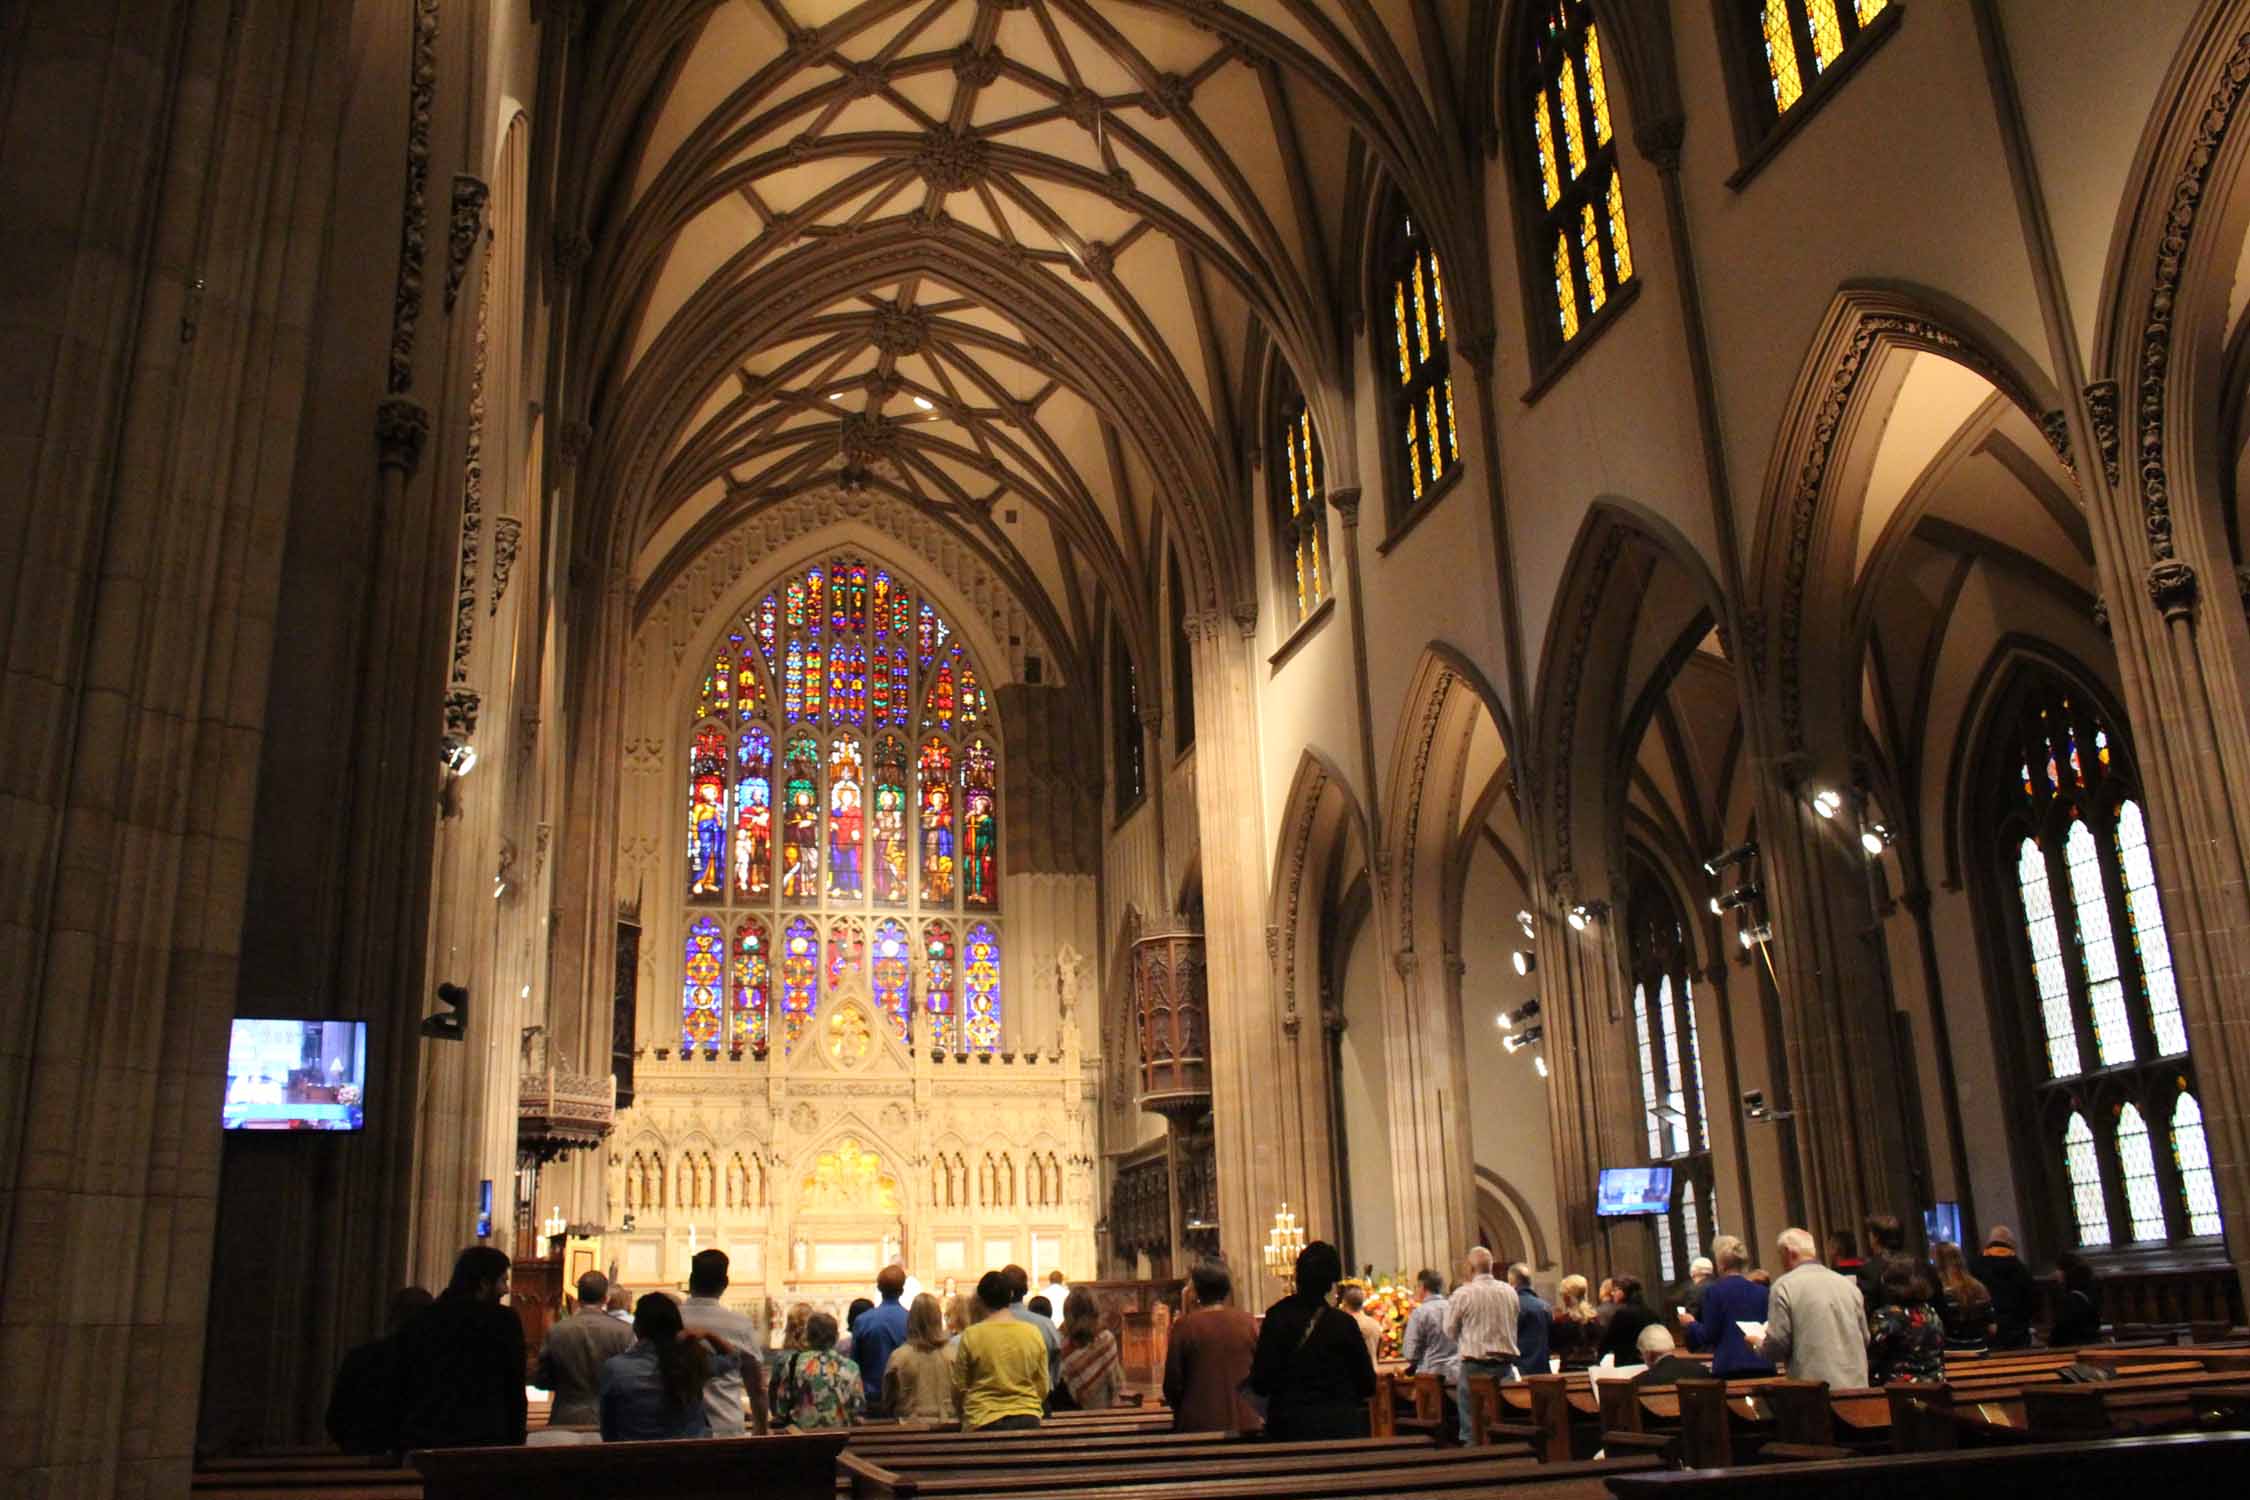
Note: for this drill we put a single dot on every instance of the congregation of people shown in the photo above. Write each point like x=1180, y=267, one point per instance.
x=450, y=1370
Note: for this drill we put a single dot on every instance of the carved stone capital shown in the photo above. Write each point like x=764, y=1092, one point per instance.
x=507, y=536
x=1455, y=965
x=1658, y=139
x=1345, y=502
x=1245, y=612
x=2100, y=612
x=402, y=428
x=461, y=705
x=2172, y=588
x=1480, y=350
x=1407, y=962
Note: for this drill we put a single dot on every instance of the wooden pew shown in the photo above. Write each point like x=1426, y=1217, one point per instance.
x=2200, y=1460
x=793, y=1466
x=2128, y=1407
x=1338, y=1472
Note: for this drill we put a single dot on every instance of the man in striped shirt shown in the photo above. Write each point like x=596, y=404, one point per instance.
x=1481, y=1318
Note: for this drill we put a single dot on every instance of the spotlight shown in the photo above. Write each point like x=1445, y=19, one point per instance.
x=1741, y=853
x=1827, y=801
x=1578, y=919
x=1751, y=936
x=1511, y=1019
x=1741, y=895
x=923, y=402
x=1539, y=1061
x=1518, y=1040
x=1524, y=960
x=1875, y=838
x=459, y=755
x=1585, y=913
x=1523, y=920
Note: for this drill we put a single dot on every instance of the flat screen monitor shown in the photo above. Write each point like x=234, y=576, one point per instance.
x=1625, y=1192
x=1942, y=1223
x=296, y=1075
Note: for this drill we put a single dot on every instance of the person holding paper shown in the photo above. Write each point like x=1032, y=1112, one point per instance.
x=1730, y=1302
x=1816, y=1320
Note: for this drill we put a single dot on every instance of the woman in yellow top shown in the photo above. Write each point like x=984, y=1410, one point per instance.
x=918, y=1381
x=999, y=1365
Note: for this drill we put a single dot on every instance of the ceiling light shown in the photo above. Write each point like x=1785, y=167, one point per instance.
x=459, y=755
x=1741, y=895
x=1523, y=920
x=1585, y=913
x=923, y=402
x=1826, y=801
x=1741, y=853
x=1524, y=961
x=1875, y=838
x=1539, y=1062
x=1754, y=934
x=835, y=395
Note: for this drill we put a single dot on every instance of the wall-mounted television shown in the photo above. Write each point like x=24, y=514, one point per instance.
x=296, y=1075
x=1625, y=1192
x=1942, y=1224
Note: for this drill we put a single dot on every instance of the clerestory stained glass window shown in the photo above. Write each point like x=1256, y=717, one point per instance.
x=1417, y=364
x=845, y=707
x=1300, y=500
x=1800, y=41
x=1665, y=1042
x=1580, y=202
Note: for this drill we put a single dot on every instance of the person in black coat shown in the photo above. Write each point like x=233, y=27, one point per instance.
x=461, y=1367
x=1312, y=1365
x=362, y=1409
x=2078, y=1307
x=1621, y=1340
x=2015, y=1291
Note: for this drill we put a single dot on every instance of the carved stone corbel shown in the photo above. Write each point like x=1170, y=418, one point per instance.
x=402, y=428
x=2172, y=588
x=469, y=197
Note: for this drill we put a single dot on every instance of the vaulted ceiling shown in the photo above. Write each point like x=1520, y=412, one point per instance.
x=1020, y=263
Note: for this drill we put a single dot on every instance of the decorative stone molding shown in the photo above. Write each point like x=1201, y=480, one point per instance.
x=573, y=248
x=951, y=160
x=1345, y=502
x=1082, y=107
x=507, y=536
x=865, y=80
x=1590, y=605
x=1480, y=349
x=2101, y=403
x=414, y=224
x=469, y=196
x=1659, y=138
x=461, y=705
x=402, y=428
x=1171, y=96
x=868, y=436
x=976, y=66
x=472, y=488
x=901, y=330
x=2054, y=426
x=2172, y=588
x=2155, y=358
x=2100, y=612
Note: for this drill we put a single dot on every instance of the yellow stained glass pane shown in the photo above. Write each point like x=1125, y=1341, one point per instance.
x=1781, y=56
x=1452, y=437
x=1319, y=584
x=1620, y=243
x=1421, y=314
x=1543, y=139
x=1312, y=477
x=1566, y=296
x=1437, y=295
x=1574, y=134
x=1398, y=321
x=1296, y=501
x=1597, y=86
x=1437, y=454
x=1868, y=10
x=1590, y=244
x=1414, y=450
x=1304, y=598
x=1827, y=32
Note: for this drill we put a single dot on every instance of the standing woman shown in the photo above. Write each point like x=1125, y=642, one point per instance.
x=818, y=1388
x=655, y=1389
x=1093, y=1377
x=1574, y=1333
x=1905, y=1336
x=1967, y=1308
x=792, y=1340
x=1312, y=1366
x=918, y=1381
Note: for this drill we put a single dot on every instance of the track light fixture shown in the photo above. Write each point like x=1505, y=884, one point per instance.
x=1530, y=928
x=1516, y=1041
x=1875, y=838
x=1755, y=933
x=1740, y=854
x=1525, y=960
x=1585, y=913
x=1827, y=802
x=459, y=756
x=1741, y=895
x=1511, y=1019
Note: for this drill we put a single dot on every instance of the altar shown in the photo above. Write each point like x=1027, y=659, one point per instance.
x=845, y=1150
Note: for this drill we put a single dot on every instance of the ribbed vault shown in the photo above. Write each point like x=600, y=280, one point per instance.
x=1015, y=262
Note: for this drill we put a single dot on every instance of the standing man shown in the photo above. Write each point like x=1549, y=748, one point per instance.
x=878, y=1333
x=1019, y=1287
x=461, y=1362
x=1534, y=1323
x=1816, y=1321
x=570, y=1361
x=1689, y=1293
x=1426, y=1346
x=1481, y=1318
x=1209, y=1358
x=2015, y=1295
x=1354, y=1300
x=703, y=1312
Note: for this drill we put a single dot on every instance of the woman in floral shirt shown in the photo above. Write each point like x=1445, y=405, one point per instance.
x=1905, y=1335
x=816, y=1387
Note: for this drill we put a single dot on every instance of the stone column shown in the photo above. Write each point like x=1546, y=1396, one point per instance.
x=1251, y=1114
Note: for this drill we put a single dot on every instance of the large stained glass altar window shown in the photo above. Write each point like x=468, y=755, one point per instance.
x=844, y=707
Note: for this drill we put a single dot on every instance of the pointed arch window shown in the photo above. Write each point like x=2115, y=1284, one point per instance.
x=1414, y=364
x=1127, y=741
x=1579, y=248
x=2103, y=1044
x=1786, y=57
x=844, y=798
x=1675, y=1127
x=1298, y=475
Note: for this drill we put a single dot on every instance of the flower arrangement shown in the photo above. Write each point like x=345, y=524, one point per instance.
x=1389, y=1299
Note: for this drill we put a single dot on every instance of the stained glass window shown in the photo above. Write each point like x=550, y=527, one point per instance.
x=2144, y=920
x=938, y=991
x=1422, y=401
x=1648, y=1072
x=1300, y=499
x=1127, y=741
x=1799, y=41
x=1666, y=1046
x=2191, y=1158
x=1691, y=1221
x=808, y=809
x=980, y=989
x=2138, y=1161
x=2099, y=1000
x=1581, y=201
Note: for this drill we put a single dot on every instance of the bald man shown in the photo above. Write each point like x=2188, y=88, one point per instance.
x=1481, y=1319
